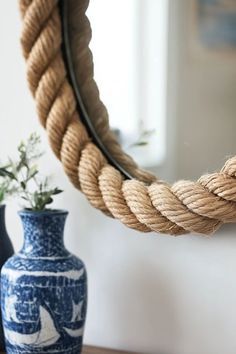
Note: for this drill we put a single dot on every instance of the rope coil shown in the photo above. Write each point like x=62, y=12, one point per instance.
x=199, y=207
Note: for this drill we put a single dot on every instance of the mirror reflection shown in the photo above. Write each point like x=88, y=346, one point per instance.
x=166, y=73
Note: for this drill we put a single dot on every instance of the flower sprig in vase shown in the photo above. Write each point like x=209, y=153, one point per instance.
x=44, y=287
x=24, y=178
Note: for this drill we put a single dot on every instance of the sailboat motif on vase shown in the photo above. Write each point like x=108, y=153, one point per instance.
x=44, y=297
x=46, y=336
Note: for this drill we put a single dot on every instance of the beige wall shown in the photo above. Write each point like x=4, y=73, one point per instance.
x=147, y=293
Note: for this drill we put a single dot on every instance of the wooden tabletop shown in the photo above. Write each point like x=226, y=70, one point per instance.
x=95, y=350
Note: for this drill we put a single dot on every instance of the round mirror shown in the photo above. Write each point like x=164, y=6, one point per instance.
x=166, y=72
x=167, y=76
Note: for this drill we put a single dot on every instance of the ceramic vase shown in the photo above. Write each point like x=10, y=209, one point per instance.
x=6, y=251
x=44, y=290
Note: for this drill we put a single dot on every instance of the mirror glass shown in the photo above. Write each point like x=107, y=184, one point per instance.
x=167, y=75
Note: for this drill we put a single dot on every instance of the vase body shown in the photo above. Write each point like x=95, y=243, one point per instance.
x=44, y=290
x=6, y=251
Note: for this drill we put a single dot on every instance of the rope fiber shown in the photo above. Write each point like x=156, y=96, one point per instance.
x=143, y=203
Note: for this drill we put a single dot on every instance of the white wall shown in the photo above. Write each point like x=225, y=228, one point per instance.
x=147, y=293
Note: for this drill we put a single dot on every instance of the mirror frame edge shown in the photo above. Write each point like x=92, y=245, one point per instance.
x=199, y=207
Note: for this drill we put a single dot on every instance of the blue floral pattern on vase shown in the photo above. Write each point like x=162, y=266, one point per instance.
x=44, y=290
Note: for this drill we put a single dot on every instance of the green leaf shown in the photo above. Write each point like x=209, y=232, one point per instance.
x=57, y=191
x=23, y=184
x=24, y=198
x=139, y=143
x=49, y=201
x=5, y=173
x=1, y=196
x=31, y=173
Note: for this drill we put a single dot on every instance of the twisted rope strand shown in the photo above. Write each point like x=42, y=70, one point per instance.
x=144, y=205
x=80, y=34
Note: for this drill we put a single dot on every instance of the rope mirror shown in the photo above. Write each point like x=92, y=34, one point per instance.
x=69, y=108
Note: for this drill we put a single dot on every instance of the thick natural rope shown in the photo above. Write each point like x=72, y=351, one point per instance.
x=80, y=35
x=199, y=207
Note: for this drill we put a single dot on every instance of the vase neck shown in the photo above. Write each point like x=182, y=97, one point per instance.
x=43, y=234
x=2, y=219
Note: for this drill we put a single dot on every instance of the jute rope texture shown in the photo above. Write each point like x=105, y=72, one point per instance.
x=80, y=34
x=199, y=207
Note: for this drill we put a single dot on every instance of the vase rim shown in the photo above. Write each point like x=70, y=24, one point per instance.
x=43, y=212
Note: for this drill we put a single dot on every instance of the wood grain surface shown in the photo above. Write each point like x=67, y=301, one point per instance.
x=95, y=350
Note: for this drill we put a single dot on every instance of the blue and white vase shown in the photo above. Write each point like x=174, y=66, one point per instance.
x=6, y=251
x=44, y=290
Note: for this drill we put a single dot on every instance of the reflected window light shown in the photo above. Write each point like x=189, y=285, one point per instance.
x=129, y=45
